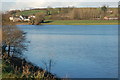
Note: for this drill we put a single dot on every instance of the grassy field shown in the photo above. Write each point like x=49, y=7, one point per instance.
x=81, y=22
x=30, y=12
x=76, y=22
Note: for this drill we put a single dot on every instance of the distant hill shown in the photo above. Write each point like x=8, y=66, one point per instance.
x=30, y=12
x=71, y=13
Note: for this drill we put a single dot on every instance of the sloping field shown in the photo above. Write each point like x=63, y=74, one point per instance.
x=30, y=12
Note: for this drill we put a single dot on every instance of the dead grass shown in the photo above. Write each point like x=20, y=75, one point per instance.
x=0, y=34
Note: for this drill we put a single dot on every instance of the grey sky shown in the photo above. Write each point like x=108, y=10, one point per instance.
x=26, y=4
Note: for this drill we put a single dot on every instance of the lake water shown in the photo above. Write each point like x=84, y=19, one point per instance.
x=77, y=51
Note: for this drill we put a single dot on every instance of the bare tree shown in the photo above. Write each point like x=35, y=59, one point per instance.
x=13, y=39
x=39, y=18
x=104, y=9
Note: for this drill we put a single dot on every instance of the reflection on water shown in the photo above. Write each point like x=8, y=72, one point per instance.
x=80, y=51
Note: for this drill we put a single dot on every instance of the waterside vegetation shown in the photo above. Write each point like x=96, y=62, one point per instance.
x=14, y=65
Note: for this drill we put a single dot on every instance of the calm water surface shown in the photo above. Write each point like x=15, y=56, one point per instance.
x=78, y=51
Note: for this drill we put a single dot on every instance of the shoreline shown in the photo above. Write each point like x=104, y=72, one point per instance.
x=75, y=22
x=19, y=65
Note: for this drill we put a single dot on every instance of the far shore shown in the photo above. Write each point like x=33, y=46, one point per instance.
x=75, y=22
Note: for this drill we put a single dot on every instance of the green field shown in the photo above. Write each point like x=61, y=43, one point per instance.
x=75, y=22
x=30, y=12
x=81, y=22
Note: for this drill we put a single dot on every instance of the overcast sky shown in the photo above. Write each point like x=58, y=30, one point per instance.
x=26, y=4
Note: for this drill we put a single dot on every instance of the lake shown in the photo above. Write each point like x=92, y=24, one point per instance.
x=76, y=51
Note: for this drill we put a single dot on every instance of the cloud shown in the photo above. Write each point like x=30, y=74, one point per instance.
x=20, y=5
x=60, y=1
x=24, y=4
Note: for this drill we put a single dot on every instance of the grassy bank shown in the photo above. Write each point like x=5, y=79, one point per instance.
x=0, y=69
x=83, y=22
x=76, y=22
x=14, y=67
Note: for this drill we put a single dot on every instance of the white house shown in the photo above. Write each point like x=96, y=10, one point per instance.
x=31, y=16
x=14, y=19
x=24, y=18
x=11, y=18
x=19, y=18
x=115, y=18
x=106, y=18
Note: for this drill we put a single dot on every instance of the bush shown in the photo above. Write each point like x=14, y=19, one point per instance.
x=39, y=18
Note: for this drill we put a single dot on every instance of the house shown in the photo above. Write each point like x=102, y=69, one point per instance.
x=106, y=18
x=15, y=19
x=11, y=18
x=19, y=18
x=24, y=18
x=111, y=12
x=110, y=18
x=113, y=18
x=31, y=16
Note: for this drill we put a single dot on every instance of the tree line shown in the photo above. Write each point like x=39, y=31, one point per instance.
x=85, y=13
x=71, y=13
